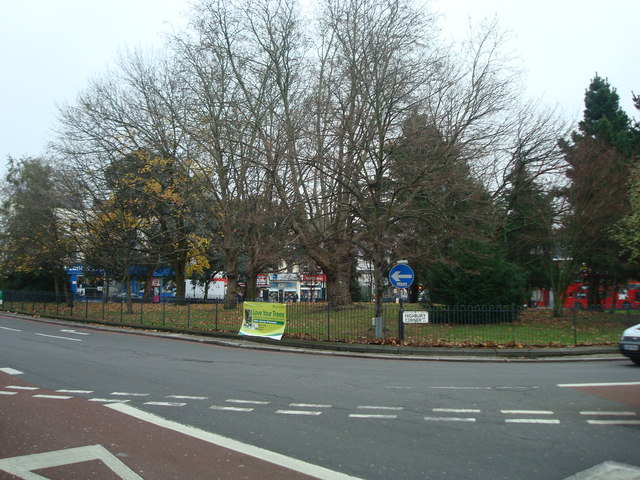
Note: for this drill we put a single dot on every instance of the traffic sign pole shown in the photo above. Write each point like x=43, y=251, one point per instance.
x=401, y=276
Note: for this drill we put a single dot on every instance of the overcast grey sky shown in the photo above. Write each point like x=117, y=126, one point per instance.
x=50, y=48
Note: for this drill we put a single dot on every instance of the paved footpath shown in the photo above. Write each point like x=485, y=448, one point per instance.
x=49, y=435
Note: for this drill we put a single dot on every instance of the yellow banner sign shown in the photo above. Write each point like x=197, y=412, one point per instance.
x=264, y=320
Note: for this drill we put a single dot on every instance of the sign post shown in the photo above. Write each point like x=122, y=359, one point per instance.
x=401, y=276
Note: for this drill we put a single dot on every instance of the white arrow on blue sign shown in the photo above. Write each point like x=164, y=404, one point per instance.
x=401, y=276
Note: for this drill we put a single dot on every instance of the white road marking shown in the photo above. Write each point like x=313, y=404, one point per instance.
x=609, y=469
x=58, y=397
x=186, y=397
x=609, y=414
x=298, y=412
x=231, y=409
x=10, y=329
x=364, y=415
x=129, y=394
x=24, y=466
x=550, y=421
x=59, y=337
x=2, y=392
x=450, y=419
x=10, y=371
x=75, y=332
x=527, y=412
x=610, y=384
x=244, y=448
x=19, y=387
x=462, y=388
x=378, y=407
x=166, y=404
x=249, y=402
x=456, y=410
x=74, y=391
x=309, y=405
x=108, y=400
x=613, y=422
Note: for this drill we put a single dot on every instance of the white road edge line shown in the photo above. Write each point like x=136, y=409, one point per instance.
x=225, y=442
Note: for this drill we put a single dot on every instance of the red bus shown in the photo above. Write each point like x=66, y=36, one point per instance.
x=626, y=298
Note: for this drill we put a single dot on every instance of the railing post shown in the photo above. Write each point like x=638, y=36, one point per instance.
x=328, y=321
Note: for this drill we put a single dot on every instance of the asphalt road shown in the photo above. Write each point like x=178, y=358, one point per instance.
x=363, y=417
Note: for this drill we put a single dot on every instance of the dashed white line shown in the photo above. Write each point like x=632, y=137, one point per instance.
x=450, y=419
x=298, y=412
x=59, y=337
x=364, y=415
x=608, y=384
x=54, y=397
x=314, y=471
x=549, y=421
x=186, y=397
x=249, y=402
x=166, y=404
x=527, y=412
x=2, y=392
x=129, y=394
x=10, y=329
x=231, y=409
x=19, y=387
x=456, y=410
x=613, y=422
x=74, y=391
x=378, y=407
x=609, y=414
x=108, y=400
x=309, y=405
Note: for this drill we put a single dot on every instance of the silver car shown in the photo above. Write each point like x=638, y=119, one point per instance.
x=630, y=344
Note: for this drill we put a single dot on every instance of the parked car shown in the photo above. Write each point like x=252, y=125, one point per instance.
x=122, y=297
x=630, y=344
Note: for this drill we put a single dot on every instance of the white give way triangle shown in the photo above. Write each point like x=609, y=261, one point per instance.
x=23, y=467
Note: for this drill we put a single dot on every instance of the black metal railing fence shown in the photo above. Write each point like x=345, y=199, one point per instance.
x=451, y=326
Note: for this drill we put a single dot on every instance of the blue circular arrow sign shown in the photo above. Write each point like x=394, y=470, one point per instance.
x=401, y=276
